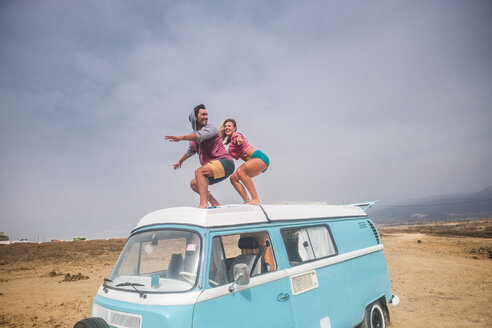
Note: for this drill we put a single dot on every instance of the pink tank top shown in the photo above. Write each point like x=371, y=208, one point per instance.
x=237, y=150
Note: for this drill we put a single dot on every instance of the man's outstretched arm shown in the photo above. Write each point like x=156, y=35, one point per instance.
x=190, y=137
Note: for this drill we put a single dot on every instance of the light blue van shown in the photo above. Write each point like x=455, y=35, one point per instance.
x=248, y=266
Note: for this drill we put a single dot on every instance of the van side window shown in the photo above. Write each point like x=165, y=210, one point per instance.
x=252, y=249
x=307, y=244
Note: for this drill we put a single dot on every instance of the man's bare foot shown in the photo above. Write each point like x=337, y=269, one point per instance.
x=254, y=202
x=215, y=204
x=203, y=206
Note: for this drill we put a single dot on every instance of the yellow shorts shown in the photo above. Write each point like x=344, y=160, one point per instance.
x=218, y=169
x=221, y=168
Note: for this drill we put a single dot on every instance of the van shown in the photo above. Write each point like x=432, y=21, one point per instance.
x=295, y=265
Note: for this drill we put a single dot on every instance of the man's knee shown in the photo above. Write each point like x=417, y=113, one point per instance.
x=201, y=171
x=194, y=185
x=201, y=177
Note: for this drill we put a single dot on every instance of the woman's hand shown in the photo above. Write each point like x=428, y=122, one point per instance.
x=239, y=140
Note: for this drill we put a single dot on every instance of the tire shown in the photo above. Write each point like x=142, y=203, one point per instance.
x=375, y=317
x=91, y=323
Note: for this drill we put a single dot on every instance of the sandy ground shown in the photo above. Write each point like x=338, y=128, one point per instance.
x=442, y=281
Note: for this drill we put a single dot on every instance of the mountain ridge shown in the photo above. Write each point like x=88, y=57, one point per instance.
x=447, y=207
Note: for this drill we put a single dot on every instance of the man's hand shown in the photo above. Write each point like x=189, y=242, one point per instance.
x=178, y=164
x=173, y=138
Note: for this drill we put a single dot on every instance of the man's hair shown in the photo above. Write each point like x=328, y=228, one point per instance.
x=197, y=109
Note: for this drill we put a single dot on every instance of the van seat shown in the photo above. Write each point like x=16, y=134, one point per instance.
x=175, y=266
x=248, y=259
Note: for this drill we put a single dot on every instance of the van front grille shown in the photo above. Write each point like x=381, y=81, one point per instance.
x=117, y=319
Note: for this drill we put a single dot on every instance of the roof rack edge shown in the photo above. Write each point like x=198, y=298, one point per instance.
x=364, y=205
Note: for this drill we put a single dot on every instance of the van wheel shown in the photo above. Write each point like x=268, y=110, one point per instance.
x=91, y=323
x=374, y=317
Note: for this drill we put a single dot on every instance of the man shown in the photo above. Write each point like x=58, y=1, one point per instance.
x=216, y=162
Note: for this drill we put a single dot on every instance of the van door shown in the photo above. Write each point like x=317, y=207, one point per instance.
x=264, y=302
x=319, y=286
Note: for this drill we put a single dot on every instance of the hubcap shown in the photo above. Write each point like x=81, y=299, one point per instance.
x=377, y=320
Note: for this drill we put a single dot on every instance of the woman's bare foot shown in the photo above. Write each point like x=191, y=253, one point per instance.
x=203, y=206
x=254, y=202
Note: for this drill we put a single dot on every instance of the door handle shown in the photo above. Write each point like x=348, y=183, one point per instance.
x=282, y=297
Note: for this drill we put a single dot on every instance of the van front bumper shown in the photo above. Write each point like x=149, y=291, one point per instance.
x=130, y=315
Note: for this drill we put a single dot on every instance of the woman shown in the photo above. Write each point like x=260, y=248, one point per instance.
x=255, y=161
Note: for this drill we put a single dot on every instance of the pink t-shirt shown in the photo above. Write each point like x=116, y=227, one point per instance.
x=208, y=145
x=237, y=150
x=211, y=149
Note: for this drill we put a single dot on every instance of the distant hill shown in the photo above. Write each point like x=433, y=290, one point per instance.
x=439, y=208
x=3, y=236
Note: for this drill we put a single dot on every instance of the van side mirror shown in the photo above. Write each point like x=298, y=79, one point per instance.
x=241, y=275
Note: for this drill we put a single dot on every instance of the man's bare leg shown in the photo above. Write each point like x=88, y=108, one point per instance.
x=201, y=176
x=202, y=183
x=211, y=199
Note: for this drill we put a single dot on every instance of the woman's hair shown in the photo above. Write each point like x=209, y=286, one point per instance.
x=222, y=132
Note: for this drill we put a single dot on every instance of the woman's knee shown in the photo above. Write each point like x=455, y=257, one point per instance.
x=241, y=173
x=234, y=177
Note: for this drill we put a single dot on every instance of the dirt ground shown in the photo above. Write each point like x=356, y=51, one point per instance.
x=443, y=279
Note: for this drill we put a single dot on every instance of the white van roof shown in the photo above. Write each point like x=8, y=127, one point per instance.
x=230, y=215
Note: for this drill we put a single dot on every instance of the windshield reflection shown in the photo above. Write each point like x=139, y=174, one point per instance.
x=158, y=261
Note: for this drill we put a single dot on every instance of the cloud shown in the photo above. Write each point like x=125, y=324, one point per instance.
x=350, y=101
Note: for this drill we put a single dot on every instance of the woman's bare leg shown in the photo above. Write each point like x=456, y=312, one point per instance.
x=239, y=186
x=246, y=172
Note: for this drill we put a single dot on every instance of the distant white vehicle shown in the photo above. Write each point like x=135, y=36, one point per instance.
x=22, y=240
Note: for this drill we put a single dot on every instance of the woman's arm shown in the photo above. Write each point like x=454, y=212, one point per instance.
x=238, y=139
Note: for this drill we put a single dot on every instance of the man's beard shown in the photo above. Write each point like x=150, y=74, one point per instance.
x=199, y=125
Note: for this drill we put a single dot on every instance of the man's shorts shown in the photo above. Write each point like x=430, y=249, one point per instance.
x=221, y=168
x=261, y=155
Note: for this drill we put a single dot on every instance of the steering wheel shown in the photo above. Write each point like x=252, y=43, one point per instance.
x=188, y=277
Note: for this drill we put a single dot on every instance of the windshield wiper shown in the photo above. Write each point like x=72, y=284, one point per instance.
x=133, y=284
x=106, y=280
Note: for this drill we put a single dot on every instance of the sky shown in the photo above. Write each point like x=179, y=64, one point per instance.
x=351, y=100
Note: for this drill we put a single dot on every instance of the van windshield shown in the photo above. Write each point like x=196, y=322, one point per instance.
x=158, y=261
